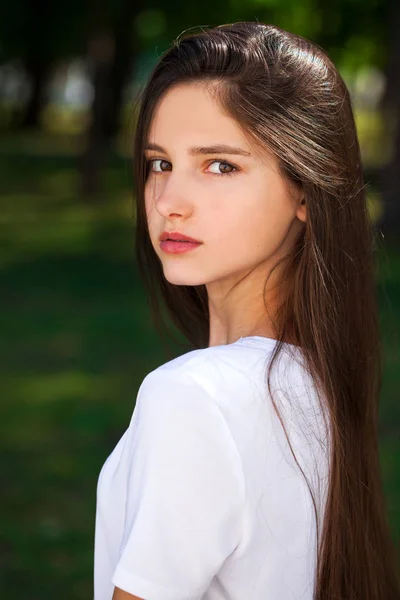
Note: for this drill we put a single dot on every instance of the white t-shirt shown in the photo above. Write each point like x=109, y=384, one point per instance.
x=201, y=498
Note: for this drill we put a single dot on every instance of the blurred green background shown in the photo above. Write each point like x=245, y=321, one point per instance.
x=76, y=334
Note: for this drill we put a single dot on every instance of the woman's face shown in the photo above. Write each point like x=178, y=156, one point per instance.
x=233, y=200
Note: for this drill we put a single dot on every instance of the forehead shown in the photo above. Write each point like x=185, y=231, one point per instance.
x=188, y=110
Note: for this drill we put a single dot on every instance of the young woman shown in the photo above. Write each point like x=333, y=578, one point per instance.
x=250, y=467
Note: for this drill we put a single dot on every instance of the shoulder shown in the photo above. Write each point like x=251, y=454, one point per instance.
x=227, y=375
x=228, y=369
x=212, y=370
x=184, y=382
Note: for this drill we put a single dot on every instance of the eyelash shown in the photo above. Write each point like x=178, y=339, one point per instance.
x=224, y=162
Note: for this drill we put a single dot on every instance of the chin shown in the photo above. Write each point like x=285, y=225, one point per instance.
x=182, y=279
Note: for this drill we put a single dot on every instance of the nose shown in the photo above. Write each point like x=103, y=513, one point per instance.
x=173, y=198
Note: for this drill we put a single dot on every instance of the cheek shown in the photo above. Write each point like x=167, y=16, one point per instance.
x=251, y=222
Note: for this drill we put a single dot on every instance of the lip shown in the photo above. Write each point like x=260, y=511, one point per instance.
x=176, y=236
x=171, y=247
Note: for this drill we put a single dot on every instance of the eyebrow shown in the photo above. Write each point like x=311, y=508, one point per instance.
x=195, y=150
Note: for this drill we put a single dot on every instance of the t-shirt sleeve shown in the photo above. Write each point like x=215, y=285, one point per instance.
x=186, y=493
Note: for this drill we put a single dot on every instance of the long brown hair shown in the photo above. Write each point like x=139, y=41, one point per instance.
x=287, y=95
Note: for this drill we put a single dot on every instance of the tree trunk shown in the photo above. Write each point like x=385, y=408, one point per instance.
x=101, y=56
x=111, y=54
x=38, y=56
x=37, y=71
x=390, y=183
x=125, y=50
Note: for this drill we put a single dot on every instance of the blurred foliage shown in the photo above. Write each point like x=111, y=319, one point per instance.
x=352, y=30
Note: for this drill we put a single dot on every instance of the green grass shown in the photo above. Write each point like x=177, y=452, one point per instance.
x=77, y=341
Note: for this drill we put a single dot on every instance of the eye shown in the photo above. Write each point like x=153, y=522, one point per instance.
x=162, y=165
x=224, y=165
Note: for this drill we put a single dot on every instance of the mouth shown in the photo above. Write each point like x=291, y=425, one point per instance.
x=176, y=236
x=178, y=246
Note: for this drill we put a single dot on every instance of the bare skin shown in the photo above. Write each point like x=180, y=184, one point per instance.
x=121, y=595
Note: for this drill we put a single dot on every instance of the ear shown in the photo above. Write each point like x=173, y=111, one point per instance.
x=301, y=208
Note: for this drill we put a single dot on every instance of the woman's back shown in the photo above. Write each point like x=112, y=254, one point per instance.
x=202, y=497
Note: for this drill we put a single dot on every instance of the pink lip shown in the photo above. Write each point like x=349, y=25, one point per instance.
x=176, y=236
x=171, y=247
